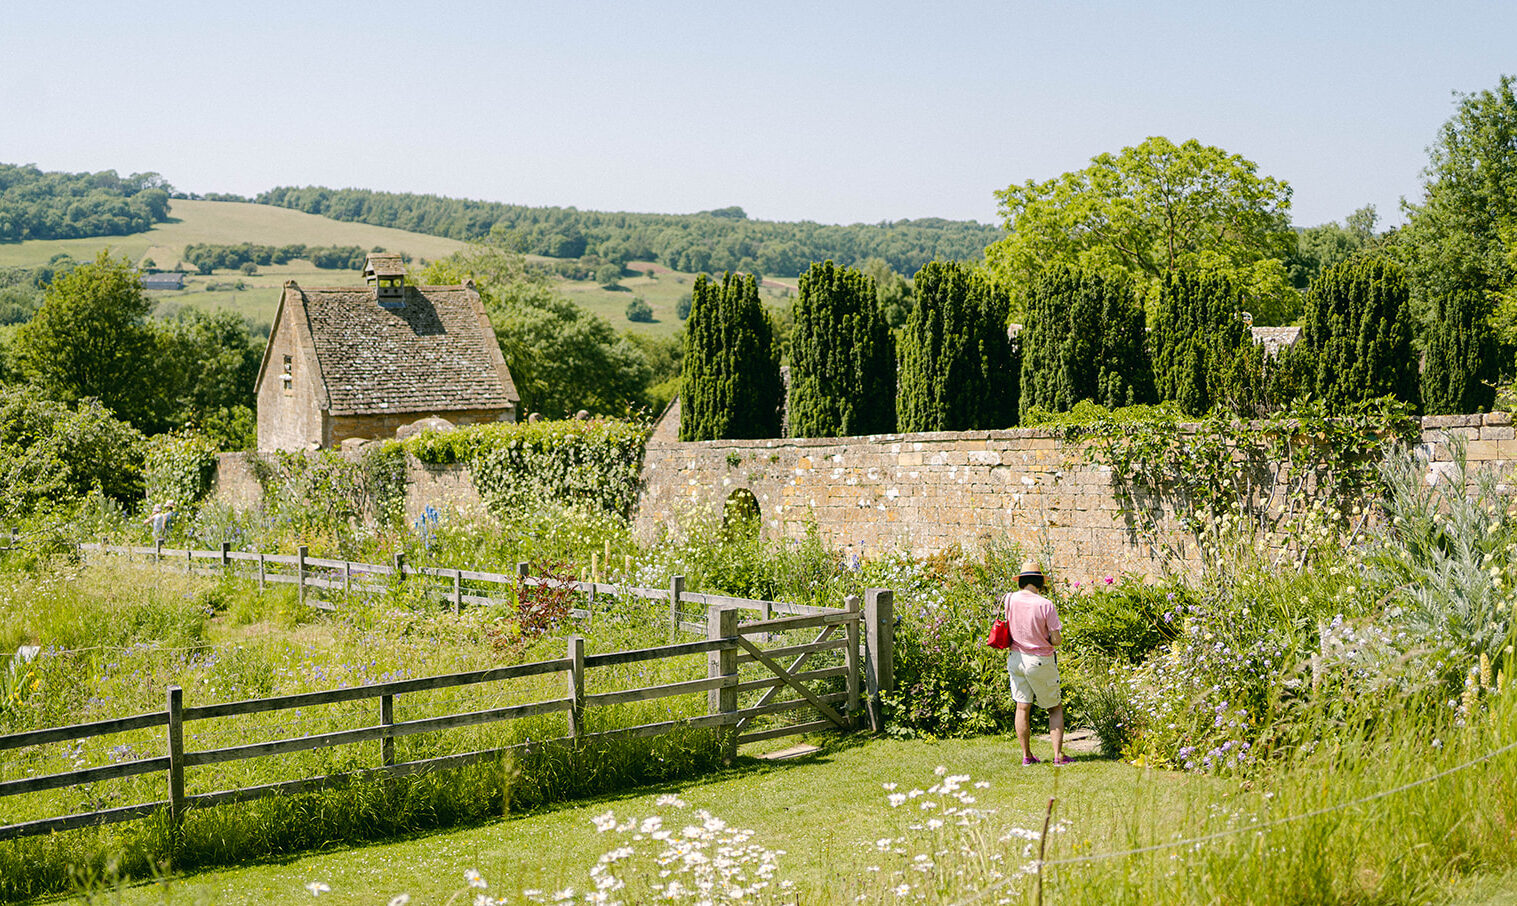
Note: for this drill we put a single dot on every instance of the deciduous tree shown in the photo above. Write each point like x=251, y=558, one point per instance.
x=91, y=338
x=1150, y=211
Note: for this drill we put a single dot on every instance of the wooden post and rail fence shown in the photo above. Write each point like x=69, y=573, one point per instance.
x=862, y=631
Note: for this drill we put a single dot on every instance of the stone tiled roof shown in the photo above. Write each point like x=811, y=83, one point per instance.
x=436, y=353
x=381, y=265
x=1273, y=339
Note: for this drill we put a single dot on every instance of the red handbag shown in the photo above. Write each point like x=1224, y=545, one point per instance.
x=1000, y=634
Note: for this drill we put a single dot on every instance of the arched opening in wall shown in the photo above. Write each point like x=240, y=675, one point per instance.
x=740, y=515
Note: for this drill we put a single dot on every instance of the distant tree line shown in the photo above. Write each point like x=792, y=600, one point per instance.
x=37, y=204
x=207, y=257
x=710, y=241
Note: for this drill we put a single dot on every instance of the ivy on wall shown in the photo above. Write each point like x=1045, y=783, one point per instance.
x=594, y=462
x=1300, y=476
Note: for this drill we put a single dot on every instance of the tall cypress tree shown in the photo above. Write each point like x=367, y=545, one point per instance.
x=958, y=370
x=731, y=372
x=1084, y=340
x=1357, y=333
x=1203, y=356
x=1461, y=354
x=842, y=357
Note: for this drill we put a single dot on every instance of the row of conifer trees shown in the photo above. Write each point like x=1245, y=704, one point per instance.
x=955, y=367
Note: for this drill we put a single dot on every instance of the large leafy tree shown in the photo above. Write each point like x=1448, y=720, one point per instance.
x=91, y=338
x=957, y=370
x=562, y=357
x=1460, y=244
x=1464, y=232
x=731, y=382
x=1203, y=355
x=842, y=357
x=1084, y=340
x=1357, y=335
x=1152, y=210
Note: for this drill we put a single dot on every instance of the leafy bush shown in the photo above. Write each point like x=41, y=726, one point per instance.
x=1120, y=619
x=595, y=462
x=1447, y=553
x=51, y=455
x=179, y=467
x=639, y=310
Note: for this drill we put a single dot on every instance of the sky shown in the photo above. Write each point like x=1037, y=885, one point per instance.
x=833, y=112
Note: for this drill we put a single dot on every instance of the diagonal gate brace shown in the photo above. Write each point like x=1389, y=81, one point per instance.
x=795, y=665
x=792, y=682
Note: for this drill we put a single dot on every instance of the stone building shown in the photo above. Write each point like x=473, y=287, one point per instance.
x=361, y=362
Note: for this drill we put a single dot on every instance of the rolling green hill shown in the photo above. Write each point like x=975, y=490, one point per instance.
x=226, y=222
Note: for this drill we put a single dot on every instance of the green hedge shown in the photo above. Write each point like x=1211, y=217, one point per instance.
x=596, y=462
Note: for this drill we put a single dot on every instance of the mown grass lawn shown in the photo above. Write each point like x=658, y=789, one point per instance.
x=824, y=810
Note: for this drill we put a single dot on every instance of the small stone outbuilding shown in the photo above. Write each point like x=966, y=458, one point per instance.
x=360, y=362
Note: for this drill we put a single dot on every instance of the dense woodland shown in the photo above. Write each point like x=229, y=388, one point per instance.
x=45, y=205
x=711, y=241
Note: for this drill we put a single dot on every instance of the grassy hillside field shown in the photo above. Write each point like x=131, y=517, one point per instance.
x=225, y=222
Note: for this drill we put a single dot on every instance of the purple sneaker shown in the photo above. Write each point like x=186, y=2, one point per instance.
x=1030, y=759
x=1063, y=759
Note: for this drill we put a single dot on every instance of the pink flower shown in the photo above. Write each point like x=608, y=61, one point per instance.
x=1108, y=580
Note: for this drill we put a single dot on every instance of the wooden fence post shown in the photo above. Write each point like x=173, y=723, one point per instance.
x=721, y=623
x=347, y=577
x=676, y=589
x=176, y=754
x=400, y=567
x=262, y=576
x=189, y=557
x=458, y=590
x=851, y=657
x=387, y=718
x=879, y=667
x=300, y=571
x=226, y=556
x=576, y=685
x=157, y=549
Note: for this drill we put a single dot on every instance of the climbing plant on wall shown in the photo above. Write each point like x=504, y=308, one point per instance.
x=731, y=371
x=842, y=357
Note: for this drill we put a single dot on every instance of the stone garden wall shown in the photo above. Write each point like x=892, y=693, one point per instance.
x=920, y=493
x=923, y=493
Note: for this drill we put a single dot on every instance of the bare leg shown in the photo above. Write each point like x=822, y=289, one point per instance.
x=1056, y=730
x=1024, y=727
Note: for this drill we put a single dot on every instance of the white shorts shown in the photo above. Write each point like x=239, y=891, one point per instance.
x=1034, y=678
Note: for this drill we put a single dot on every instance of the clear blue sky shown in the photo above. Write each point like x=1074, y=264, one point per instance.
x=835, y=112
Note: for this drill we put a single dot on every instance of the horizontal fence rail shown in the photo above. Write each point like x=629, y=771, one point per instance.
x=306, y=572
x=730, y=644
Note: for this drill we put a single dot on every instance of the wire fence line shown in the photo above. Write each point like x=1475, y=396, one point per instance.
x=1252, y=828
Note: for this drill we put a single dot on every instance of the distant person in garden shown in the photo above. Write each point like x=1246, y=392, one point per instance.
x=1032, y=664
x=154, y=522
x=168, y=521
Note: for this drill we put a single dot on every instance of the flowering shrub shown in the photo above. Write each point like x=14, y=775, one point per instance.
x=948, y=682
